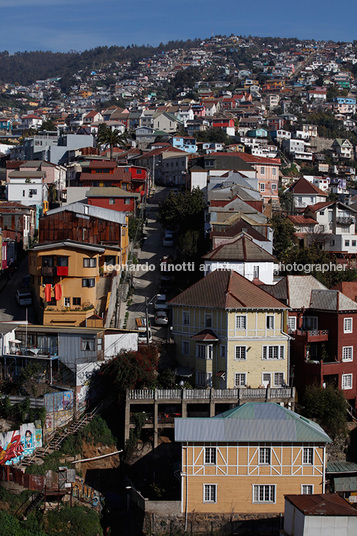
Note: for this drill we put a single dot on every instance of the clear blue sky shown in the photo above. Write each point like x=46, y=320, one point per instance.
x=61, y=25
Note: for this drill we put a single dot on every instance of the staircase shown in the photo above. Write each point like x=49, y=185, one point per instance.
x=30, y=504
x=57, y=439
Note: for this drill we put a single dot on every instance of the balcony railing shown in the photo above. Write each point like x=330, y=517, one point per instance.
x=313, y=334
x=241, y=393
x=345, y=220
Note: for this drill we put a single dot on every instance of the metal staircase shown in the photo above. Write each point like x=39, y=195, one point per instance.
x=57, y=438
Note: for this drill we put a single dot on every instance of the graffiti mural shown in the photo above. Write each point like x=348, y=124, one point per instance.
x=86, y=493
x=59, y=410
x=16, y=444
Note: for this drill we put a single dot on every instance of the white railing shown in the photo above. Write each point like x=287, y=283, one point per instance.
x=242, y=393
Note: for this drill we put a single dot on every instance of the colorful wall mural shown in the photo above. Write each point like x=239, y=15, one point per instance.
x=59, y=410
x=16, y=444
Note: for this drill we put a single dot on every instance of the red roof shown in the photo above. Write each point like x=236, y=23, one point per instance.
x=102, y=164
x=205, y=335
x=327, y=504
x=251, y=159
x=318, y=206
x=226, y=289
x=302, y=220
x=303, y=186
x=119, y=175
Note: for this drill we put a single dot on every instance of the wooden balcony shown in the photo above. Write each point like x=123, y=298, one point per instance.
x=313, y=335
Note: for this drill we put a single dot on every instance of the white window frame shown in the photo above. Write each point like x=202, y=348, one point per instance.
x=210, y=456
x=269, y=351
x=270, y=319
x=241, y=319
x=308, y=456
x=236, y=374
x=257, y=488
x=264, y=455
x=212, y=498
x=67, y=302
x=346, y=322
x=261, y=187
x=185, y=318
x=347, y=353
x=304, y=490
x=275, y=383
x=292, y=323
x=346, y=381
x=185, y=345
x=242, y=349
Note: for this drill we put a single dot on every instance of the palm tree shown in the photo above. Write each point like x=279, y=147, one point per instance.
x=112, y=138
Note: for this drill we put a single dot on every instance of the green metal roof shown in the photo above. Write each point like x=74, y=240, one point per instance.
x=253, y=422
x=345, y=483
x=341, y=467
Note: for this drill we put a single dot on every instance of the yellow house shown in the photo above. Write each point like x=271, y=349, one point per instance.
x=231, y=333
x=68, y=283
x=246, y=459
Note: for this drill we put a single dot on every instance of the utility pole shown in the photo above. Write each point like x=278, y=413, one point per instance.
x=147, y=320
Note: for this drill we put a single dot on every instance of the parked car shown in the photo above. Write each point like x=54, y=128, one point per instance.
x=168, y=241
x=160, y=302
x=23, y=297
x=161, y=318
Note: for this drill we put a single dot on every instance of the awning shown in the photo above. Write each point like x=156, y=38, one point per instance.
x=184, y=372
x=345, y=483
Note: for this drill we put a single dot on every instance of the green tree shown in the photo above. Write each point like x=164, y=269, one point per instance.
x=110, y=138
x=48, y=125
x=283, y=236
x=129, y=370
x=184, y=210
x=327, y=406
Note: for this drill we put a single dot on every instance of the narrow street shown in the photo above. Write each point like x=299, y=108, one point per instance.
x=146, y=282
x=9, y=308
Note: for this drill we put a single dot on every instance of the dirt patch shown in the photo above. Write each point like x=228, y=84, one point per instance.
x=91, y=451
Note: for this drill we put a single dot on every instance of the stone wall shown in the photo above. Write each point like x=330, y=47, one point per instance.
x=210, y=524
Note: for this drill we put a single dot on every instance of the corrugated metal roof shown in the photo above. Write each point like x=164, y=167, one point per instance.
x=329, y=504
x=252, y=422
x=345, y=483
x=341, y=467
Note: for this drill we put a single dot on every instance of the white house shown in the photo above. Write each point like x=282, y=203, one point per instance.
x=243, y=256
x=27, y=191
x=318, y=515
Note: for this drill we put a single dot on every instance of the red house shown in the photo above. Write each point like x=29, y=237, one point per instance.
x=323, y=326
x=113, y=198
x=105, y=173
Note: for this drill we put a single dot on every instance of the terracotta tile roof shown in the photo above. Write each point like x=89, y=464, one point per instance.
x=237, y=228
x=303, y=186
x=205, y=335
x=226, y=289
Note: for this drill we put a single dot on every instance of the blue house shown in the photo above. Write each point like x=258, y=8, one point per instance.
x=184, y=143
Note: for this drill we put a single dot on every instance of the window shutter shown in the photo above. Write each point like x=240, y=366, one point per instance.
x=264, y=356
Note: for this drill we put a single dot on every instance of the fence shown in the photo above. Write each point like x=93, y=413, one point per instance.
x=212, y=394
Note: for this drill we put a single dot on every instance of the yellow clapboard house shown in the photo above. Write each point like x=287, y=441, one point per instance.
x=246, y=459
